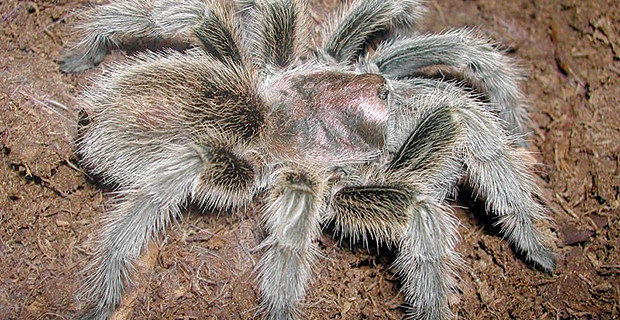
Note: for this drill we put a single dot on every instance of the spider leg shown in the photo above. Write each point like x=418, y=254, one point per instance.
x=377, y=211
x=449, y=134
x=140, y=215
x=483, y=65
x=493, y=167
x=403, y=213
x=278, y=31
x=162, y=145
x=499, y=173
x=427, y=259
x=144, y=212
x=361, y=21
x=119, y=22
x=292, y=220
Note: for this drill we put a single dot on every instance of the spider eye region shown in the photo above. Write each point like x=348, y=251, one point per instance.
x=331, y=113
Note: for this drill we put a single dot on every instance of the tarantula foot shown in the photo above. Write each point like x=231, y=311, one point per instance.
x=282, y=315
x=428, y=313
x=96, y=314
x=72, y=62
x=543, y=259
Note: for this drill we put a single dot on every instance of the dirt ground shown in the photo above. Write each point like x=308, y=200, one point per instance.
x=202, y=269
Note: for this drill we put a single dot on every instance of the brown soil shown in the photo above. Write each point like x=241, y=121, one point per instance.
x=203, y=267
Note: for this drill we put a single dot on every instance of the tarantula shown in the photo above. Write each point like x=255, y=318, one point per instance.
x=338, y=135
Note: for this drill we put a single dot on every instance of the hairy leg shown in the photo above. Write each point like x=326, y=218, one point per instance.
x=143, y=212
x=427, y=260
x=499, y=173
x=375, y=211
x=228, y=179
x=292, y=221
x=495, y=169
x=136, y=220
x=482, y=64
x=277, y=30
x=126, y=21
x=360, y=21
x=423, y=230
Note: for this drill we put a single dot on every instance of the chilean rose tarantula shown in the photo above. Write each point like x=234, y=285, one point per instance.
x=349, y=134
